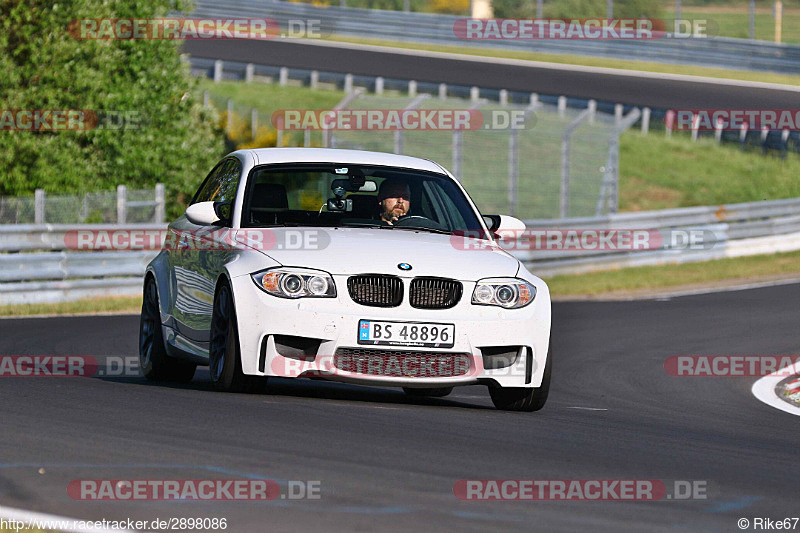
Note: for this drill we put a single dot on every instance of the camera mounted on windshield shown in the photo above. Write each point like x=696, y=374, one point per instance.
x=355, y=182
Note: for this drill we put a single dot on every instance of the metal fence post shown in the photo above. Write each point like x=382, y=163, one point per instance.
x=283, y=76
x=217, y=71
x=379, y=85
x=513, y=170
x=307, y=137
x=327, y=134
x=442, y=91
x=248, y=73
x=229, y=122
x=513, y=161
x=314, y=81
x=122, y=204
x=399, y=133
x=609, y=189
x=412, y=89
x=38, y=206
x=503, y=97
x=161, y=202
x=458, y=144
x=474, y=93
x=563, y=205
x=645, y=120
x=565, y=148
x=254, y=123
x=206, y=98
x=348, y=83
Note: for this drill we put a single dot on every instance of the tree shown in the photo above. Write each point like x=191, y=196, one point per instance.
x=171, y=138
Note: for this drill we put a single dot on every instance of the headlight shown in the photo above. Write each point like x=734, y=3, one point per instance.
x=510, y=293
x=295, y=283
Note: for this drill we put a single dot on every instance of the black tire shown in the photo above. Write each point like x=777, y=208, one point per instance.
x=224, y=355
x=432, y=392
x=156, y=365
x=521, y=398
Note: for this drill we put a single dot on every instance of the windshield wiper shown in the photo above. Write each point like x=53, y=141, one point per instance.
x=419, y=228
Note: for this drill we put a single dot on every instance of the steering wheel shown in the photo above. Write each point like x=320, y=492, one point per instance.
x=418, y=220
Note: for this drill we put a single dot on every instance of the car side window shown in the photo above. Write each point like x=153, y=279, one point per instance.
x=221, y=183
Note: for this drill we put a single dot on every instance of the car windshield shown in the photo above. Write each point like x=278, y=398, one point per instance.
x=359, y=196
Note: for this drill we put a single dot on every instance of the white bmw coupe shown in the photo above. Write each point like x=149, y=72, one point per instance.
x=346, y=265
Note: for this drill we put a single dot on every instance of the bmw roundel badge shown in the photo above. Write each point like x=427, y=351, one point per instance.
x=404, y=266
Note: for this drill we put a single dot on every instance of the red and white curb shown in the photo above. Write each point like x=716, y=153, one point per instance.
x=764, y=389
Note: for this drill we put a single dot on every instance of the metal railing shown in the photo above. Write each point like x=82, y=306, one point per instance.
x=120, y=206
x=434, y=28
x=60, y=274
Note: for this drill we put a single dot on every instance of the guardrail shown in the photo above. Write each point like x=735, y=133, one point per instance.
x=732, y=230
x=434, y=28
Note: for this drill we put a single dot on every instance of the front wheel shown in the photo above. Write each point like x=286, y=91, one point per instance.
x=524, y=398
x=156, y=365
x=224, y=356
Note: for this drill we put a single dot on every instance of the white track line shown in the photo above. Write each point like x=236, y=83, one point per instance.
x=549, y=65
x=764, y=389
x=29, y=517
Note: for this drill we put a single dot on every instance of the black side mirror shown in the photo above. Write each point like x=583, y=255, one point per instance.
x=492, y=222
x=224, y=211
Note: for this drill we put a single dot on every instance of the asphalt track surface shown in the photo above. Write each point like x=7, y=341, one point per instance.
x=388, y=463
x=631, y=90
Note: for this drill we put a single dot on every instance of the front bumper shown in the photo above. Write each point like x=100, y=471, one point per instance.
x=334, y=323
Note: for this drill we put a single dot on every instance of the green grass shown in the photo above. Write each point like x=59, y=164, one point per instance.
x=705, y=273
x=658, y=172
x=767, y=77
x=268, y=98
x=127, y=304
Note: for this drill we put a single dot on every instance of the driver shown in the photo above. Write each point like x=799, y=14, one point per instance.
x=394, y=199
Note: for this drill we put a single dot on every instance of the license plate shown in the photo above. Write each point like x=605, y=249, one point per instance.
x=422, y=334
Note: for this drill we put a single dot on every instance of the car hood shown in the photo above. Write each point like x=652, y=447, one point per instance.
x=350, y=251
